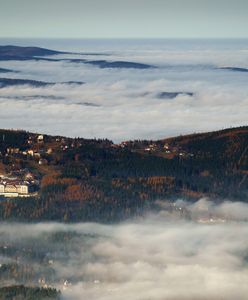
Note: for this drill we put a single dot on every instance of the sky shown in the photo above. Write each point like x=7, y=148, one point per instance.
x=124, y=19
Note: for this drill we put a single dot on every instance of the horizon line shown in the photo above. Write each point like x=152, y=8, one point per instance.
x=128, y=38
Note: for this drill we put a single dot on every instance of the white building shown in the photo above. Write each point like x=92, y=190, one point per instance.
x=40, y=138
x=14, y=189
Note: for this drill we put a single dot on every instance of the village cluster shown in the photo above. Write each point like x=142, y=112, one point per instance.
x=39, y=151
x=163, y=149
x=21, y=182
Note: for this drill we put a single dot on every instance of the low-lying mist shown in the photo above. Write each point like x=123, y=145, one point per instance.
x=183, y=251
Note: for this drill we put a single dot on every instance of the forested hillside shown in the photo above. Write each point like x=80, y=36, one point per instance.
x=91, y=180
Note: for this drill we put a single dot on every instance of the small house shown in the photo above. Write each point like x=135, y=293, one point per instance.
x=40, y=138
x=43, y=161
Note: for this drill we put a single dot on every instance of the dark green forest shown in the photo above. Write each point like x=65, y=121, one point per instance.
x=28, y=293
x=97, y=180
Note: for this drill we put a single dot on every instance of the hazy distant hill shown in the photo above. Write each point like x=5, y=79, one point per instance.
x=3, y=70
x=118, y=64
x=7, y=82
x=26, y=51
x=235, y=69
x=172, y=95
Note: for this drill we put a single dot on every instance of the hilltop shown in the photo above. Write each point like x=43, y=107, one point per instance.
x=22, y=52
x=96, y=180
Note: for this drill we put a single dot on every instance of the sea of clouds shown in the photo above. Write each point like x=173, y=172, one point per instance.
x=159, y=256
x=123, y=103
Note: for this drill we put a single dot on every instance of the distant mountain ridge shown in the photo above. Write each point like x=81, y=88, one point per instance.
x=7, y=82
x=3, y=70
x=18, y=53
x=235, y=69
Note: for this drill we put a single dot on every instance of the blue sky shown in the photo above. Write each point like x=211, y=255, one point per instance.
x=124, y=19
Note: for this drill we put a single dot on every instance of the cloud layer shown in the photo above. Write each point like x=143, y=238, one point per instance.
x=125, y=101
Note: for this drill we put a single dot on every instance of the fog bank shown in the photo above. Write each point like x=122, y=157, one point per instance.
x=165, y=255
